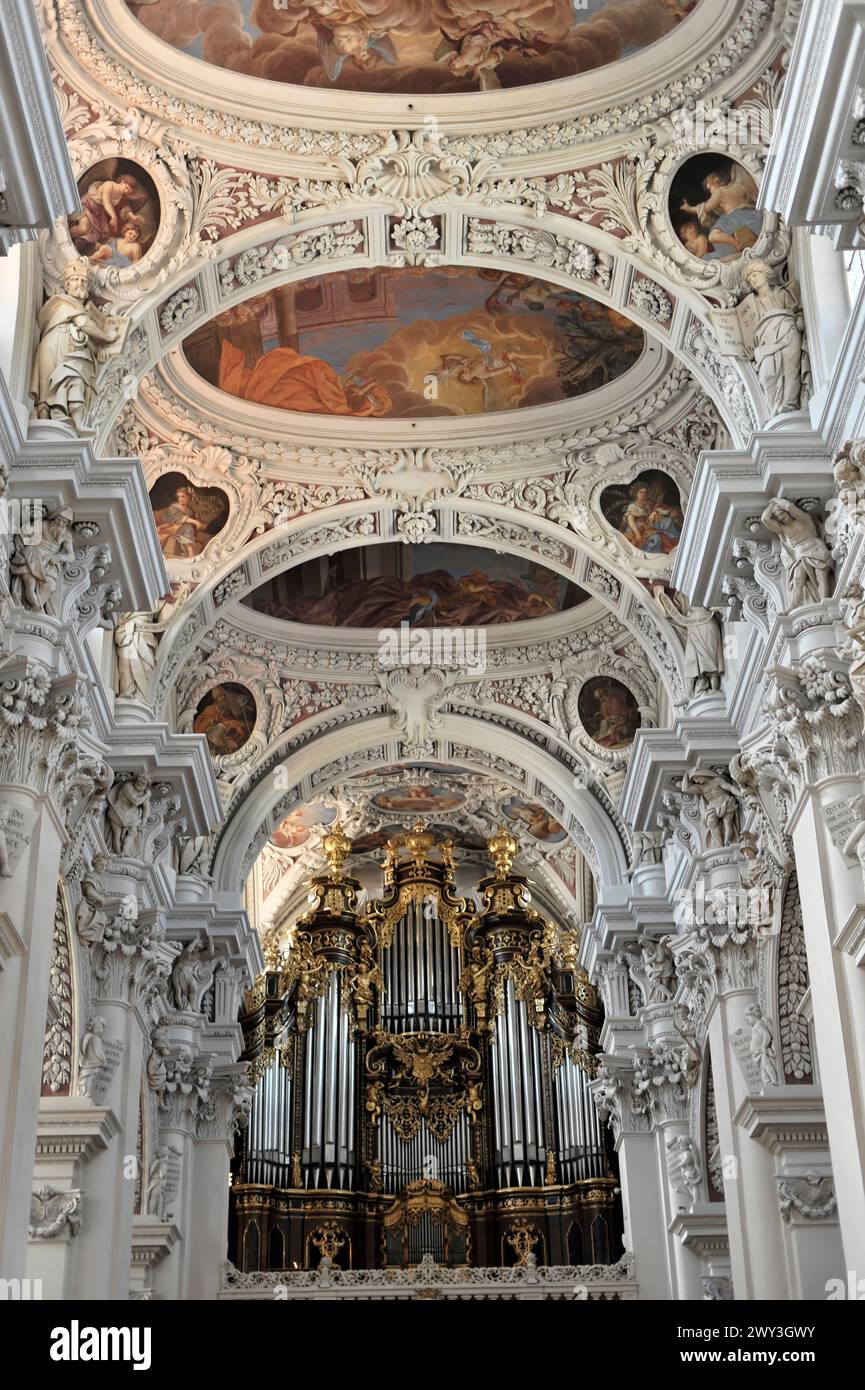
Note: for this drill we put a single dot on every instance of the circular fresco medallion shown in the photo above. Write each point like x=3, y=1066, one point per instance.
x=647, y=512
x=226, y=716
x=609, y=712
x=119, y=215
x=713, y=207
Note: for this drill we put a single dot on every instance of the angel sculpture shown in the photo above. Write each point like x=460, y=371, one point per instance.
x=474, y=982
x=367, y=976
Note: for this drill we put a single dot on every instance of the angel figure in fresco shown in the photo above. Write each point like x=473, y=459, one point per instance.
x=118, y=219
x=183, y=527
x=729, y=210
x=354, y=42
x=484, y=372
x=348, y=31
x=696, y=240
x=475, y=39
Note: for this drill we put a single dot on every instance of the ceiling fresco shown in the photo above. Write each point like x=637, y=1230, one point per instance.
x=422, y=46
x=424, y=586
x=414, y=342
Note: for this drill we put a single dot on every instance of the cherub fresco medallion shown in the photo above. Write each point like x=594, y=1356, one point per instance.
x=713, y=207
x=119, y=215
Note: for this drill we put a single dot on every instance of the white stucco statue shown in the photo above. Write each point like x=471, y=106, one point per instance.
x=191, y=974
x=74, y=337
x=704, y=644
x=37, y=561
x=806, y=556
x=135, y=643
x=91, y=919
x=720, y=805
x=778, y=337
x=92, y=1057
x=127, y=810
x=157, y=1183
x=192, y=854
x=762, y=1049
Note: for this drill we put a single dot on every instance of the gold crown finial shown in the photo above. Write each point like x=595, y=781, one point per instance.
x=337, y=848
x=503, y=850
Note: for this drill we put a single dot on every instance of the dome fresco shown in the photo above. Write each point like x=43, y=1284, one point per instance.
x=422, y=46
x=414, y=342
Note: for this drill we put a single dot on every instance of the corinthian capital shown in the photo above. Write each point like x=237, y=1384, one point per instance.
x=614, y=1094
x=816, y=722
x=41, y=720
x=228, y=1107
x=133, y=961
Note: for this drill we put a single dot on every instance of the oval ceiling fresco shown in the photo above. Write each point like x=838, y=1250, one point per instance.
x=383, y=586
x=411, y=45
x=405, y=343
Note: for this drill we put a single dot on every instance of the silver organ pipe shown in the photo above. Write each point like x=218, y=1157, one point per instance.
x=424, y=1156
x=327, y=1151
x=268, y=1144
x=421, y=971
x=581, y=1147
x=518, y=1122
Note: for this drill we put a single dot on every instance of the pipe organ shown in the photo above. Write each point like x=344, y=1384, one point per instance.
x=421, y=1069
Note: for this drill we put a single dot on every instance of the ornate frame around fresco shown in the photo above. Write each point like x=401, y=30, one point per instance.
x=111, y=51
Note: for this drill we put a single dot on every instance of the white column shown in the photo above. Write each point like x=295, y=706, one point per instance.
x=71, y=1131
x=27, y=900
x=831, y=892
x=643, y=1202
x=789, y=1123
x=36, y=776
x=127, y=978
x=750, y=1190
x=207, y=1236
x=640, y=1173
